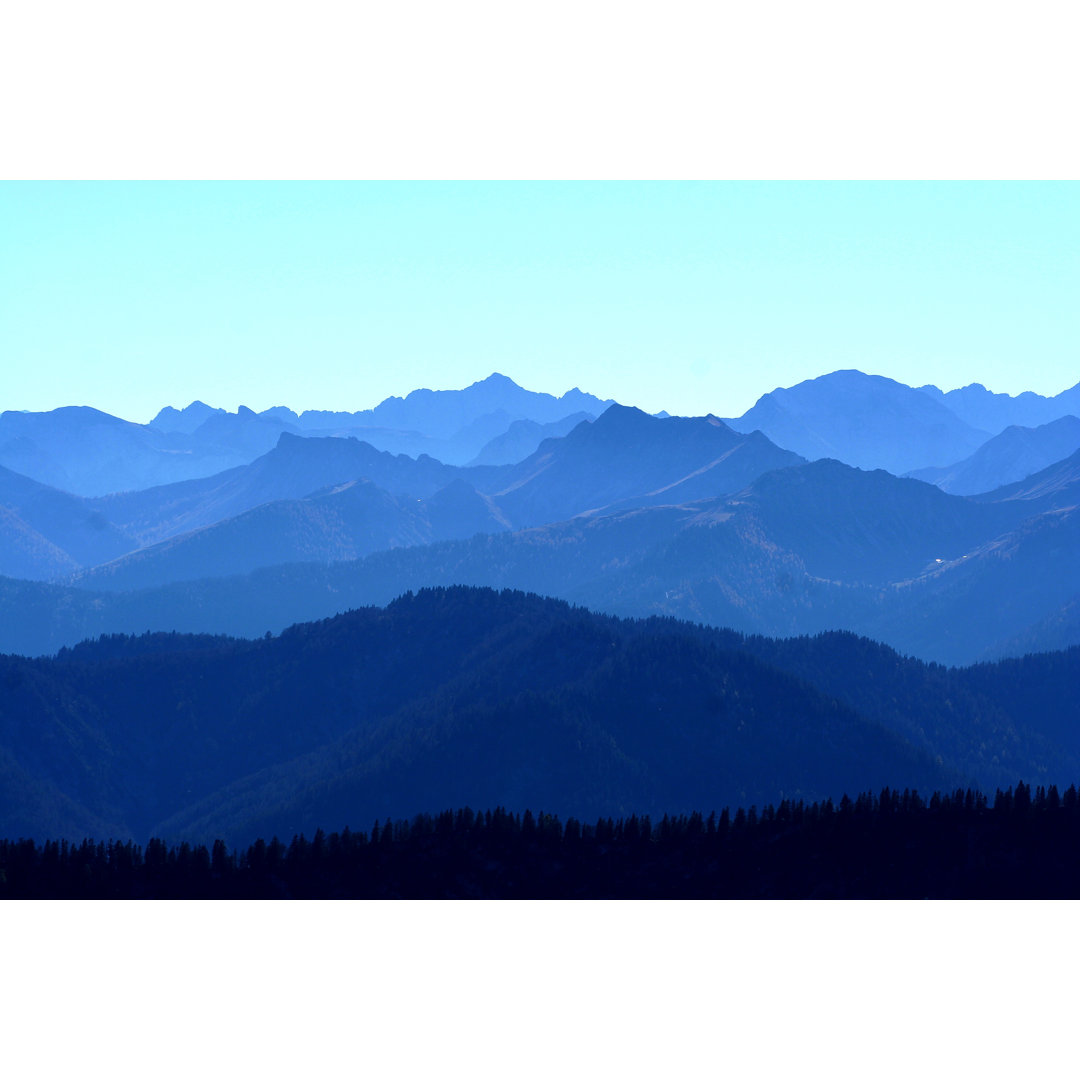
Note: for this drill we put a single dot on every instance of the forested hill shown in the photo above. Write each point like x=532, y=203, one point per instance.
x=464, y=696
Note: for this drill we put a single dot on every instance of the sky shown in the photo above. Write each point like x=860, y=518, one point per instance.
x=690, y=297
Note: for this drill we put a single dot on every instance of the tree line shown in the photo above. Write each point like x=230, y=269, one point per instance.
x=893, y=844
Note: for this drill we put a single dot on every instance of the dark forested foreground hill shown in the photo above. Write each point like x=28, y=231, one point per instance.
x=892, y=845
x=461, y=696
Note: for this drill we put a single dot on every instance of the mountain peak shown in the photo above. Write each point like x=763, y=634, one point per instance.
x=185, y=420
x=287, y=441
x=497, y=379
x=620, y=414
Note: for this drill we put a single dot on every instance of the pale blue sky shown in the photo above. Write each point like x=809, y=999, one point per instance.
x=694, y=298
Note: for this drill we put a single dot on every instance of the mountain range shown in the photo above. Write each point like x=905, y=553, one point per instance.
x=801, y=550
x=987, y=411
x=873, y=422
x=763, y=607
x=628, y=513
x=88, y=452
x=300, y=502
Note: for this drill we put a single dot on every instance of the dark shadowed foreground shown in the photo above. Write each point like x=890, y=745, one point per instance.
x=888, y=846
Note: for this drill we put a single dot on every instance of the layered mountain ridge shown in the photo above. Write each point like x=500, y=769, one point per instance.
x=313, y=637
x=88, y=452
x=627, y=512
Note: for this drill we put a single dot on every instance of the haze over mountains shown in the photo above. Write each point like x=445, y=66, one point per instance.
x=791, y=520
x=1007, y=457
x=624, y=456
x=624, y=512
x=937, y=576
x=876, y=423
x=88, y=452
x=863, y=420
x=46, y=533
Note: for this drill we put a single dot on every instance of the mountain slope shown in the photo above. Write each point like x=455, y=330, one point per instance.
x=1053, y=488
x=296, y=467
x=1006, y=458
x=25, y=553
x=90, y=453
x=966, y=608
x=863, y=420
x=653, y=722
x=1058, y=630
x=523, y=437
x=64, y=530
x=866, y=527
x=344, y=522
x=347, y=521
x=626, y=454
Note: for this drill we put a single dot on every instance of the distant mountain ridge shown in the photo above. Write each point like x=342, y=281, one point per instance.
x=453, y=426
x=88, y=452
x=863, y=420
x=623, y=458
x=186, y=419
x=804, y=549
x=443, y=413
x=629, y=513
x=981, y=408
x=1010, y=456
